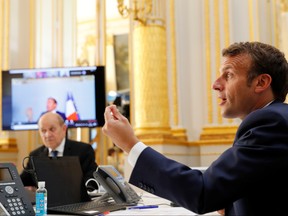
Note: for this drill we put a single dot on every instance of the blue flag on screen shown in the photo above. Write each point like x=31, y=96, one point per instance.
x=71, y=110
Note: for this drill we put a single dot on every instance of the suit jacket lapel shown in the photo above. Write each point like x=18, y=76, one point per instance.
x=45, y=152
x=67, y=148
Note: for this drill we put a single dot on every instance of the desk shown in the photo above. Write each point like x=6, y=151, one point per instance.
x=164, y=208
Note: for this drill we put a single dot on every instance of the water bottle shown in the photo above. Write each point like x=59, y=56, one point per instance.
x=41, y=199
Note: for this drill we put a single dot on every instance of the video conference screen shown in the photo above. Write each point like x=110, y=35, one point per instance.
x=78, y=95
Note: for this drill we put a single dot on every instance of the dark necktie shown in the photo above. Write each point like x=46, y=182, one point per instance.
x=54, y=154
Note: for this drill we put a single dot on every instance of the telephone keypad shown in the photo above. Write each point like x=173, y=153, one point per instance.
x=16, y=206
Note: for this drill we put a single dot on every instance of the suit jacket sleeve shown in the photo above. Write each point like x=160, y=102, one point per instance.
x=259, y=153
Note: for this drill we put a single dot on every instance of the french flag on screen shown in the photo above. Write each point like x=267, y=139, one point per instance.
x=71, y=110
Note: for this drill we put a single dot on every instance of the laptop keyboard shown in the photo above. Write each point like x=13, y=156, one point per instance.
x=88, y=208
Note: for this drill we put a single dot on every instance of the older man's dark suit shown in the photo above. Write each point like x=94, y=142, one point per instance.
x=72, y=148
x=250, y=178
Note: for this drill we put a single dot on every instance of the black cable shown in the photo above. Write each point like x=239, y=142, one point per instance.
x=24, y=165
x=26, y=168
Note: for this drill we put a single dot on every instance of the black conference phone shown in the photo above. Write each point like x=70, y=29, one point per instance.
x=14, y=199
x=115, y=185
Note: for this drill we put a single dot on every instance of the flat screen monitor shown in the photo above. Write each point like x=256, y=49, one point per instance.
x=79, y=94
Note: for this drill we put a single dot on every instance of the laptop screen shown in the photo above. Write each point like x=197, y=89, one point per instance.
x=63, y=179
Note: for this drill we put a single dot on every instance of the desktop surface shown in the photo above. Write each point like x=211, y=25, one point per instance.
x=155, y=206
x=164, y=208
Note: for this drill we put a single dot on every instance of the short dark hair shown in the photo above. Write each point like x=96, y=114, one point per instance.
x=265, y=59
x=54, y=100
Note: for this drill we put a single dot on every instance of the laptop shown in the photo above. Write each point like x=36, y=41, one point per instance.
x=63, y=179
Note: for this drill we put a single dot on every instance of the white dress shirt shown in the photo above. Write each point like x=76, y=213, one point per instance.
x=135, y=152
x=60, y=149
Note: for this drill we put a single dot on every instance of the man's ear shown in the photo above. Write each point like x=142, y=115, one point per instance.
x=65, y=127
x=263, y=81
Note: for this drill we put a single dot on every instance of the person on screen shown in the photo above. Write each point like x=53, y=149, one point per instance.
x=52, y=130
x=29, y=114
x=250, y=177
x=51, y=106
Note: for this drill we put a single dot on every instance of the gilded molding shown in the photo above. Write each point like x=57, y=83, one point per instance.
x=32, y=34
x=4, y=40
x=216, y=142
x=215, y=130
x=173, y=63
x=139, y=10
x=208, y=60
x=216, y=135
x=60, y=33
x=1, y=34
x=161, y=139
x=6, y=28
x=180, y=133
x=276, y=24
x=217, y=51
x=1, y=51
x=284, y=5
x=109, y=40
x=226, y=30
x=5, y=159
x=226, y=23
x=251, y=23
x=8, y=143
x=40, y=30
x=213, y=136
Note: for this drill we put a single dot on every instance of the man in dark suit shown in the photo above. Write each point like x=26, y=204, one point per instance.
x=249, y=178
x=51, y=106
x=52, y=130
